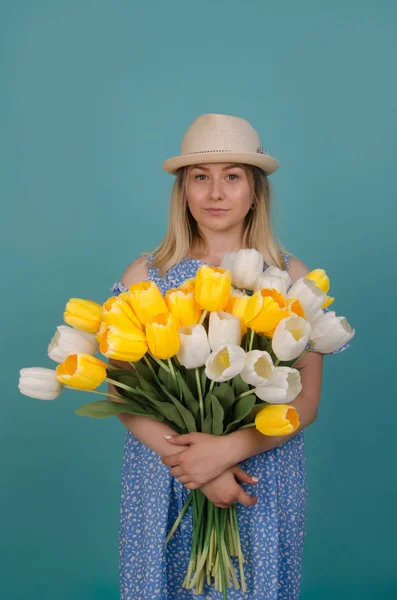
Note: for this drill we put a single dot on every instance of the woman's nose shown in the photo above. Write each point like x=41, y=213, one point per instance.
x=216, y=188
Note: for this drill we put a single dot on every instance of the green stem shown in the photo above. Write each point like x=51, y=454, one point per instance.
x=247, y=393
x=251, y=340
x=171, y=366
x=220, y=553
x=179, y=519
x=276, y=362
x=204, y=314
x=149, y=364
x=212, y=385
x=239, y=552
x=120, y=385
x=68, y=387
x=200, y=395
x=110, y=366
x=160, y=362
x=206, y=545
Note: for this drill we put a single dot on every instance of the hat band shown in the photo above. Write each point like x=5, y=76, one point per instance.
x=260, y=150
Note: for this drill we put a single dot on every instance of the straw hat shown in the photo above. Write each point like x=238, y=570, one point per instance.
x=221, y=138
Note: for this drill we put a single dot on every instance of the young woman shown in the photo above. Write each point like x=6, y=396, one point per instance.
x=220, y=202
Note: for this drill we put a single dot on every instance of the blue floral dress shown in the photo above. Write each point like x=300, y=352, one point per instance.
x=272, y=531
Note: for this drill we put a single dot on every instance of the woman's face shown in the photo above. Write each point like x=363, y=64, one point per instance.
x=218, y=195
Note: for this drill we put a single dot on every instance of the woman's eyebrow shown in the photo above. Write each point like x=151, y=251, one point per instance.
x=232, y=166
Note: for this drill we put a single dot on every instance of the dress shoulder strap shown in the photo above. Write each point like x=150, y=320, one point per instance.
x=286, y=258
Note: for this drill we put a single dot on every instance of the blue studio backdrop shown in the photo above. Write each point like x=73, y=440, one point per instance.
x=94, y=96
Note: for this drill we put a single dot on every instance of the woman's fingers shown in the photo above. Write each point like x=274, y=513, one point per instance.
x=192, y=486
x=245, y=498
x=176, y=471
x=243, y=476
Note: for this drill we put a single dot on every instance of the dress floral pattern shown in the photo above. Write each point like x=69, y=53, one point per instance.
x=272, y=531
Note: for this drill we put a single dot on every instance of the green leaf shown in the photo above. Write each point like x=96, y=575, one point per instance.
x=126, y=376
x=217, y=416
x=250, y=418
x=166, y=409
x=207, y=403
x=207, y=424
x=190, y=399
x=240, y=385
x=263, y=343
x=169, y=382
x=106, y=408
x=186, y=415
x=241, y=409
x=143, y=371
x=225, y=394
x=190, y=377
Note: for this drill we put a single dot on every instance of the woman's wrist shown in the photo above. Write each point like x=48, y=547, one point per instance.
x=233, y=450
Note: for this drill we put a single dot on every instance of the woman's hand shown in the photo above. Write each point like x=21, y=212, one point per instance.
x=207, y=457
x=224, y=491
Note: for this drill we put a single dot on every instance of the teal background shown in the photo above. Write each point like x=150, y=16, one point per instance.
x=94, y=96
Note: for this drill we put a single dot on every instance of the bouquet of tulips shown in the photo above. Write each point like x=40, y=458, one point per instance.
x=214, y=355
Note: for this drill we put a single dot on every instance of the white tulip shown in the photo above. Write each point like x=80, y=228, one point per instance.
x=274, y=278
x=228, y=261
x=309, y=295
x=40, y=383
x=68, y=340
x=258, y=368
x=223, y=328
x=329, y=332
x=194, y=349
x=290, y=337
x=284, y=387
x=225, y=363
x=245, y=267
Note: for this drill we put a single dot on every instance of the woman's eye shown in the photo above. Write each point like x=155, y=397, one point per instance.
x=199, y=176
x=233, y=175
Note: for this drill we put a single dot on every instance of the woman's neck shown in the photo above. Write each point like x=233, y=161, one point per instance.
x=215, y=247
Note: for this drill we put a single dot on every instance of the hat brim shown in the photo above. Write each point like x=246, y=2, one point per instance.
x=267, y=163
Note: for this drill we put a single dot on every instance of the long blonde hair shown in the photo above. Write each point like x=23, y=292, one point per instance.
x=182, y=228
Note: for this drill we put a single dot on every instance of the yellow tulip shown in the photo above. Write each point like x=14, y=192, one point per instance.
x=328, y=300
x=85, y=315
x=163, y=336
x=321, y=280
x=295, y=307
x=118, y=311
x=82, y=371
x=146, y=300
x=236, y=306
x=188, y=285
x=277, y=419
x=102, y=328
x=265, y=309
x=128, y=345
x=183, y=306
x=213, y=287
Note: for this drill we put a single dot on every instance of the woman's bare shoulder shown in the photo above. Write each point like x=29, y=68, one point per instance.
x=297, y=268
x=135, y=272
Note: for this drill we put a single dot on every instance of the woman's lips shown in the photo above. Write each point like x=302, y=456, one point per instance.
x=216, y=211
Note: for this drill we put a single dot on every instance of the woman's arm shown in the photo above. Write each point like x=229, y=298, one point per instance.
x=245, y=443
x=151, y=433
x=148, y=431
x=210, y=455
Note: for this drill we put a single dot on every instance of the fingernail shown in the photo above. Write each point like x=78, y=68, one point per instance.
x=168, y=437
x=255, y=479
